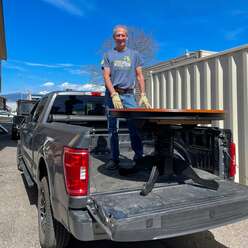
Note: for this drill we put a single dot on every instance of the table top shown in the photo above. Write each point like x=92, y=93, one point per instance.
x=171, y=116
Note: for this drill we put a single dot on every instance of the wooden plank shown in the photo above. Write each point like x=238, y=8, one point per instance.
x=197, y=115
x=157, y=110
x=180, y=122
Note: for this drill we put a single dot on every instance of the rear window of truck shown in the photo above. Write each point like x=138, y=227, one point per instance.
x=24, y=108
x=78, y=105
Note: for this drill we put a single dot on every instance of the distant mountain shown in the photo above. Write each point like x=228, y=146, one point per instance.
x=13, y=97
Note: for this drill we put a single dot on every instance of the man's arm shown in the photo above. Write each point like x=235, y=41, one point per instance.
x=107, y=80
x=114, y=95
x=143, y=99
x=140, y=79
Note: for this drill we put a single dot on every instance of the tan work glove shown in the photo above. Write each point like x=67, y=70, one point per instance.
x=144, y=100
x=116, y=101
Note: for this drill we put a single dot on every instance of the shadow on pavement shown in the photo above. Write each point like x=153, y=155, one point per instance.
x=31, y=192
x=198, y=240
x=111, y=244
x=5, y=139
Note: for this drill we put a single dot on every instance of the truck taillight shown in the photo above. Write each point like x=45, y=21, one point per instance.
x=96, y=93
x=232, y=167
x=76, y=167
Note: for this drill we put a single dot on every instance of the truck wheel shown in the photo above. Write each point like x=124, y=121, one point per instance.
x=51, y=233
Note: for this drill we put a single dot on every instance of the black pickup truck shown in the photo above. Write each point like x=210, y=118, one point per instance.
x=63, y=149
x=24, y=107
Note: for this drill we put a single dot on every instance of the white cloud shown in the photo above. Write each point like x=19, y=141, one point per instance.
x=19, y=63
x=66, y=65
x=67, y=6
x=8, y=65
x=67, y=85
x=92, y=87
x=44, y=92
x=48, y=84
x=78, y=72
x=42, y=65
x=82, y=87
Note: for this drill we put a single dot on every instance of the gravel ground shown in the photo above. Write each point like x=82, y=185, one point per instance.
x=18, y=216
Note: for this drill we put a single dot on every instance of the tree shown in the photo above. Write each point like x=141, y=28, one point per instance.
x=137, y=40
x=95, y=73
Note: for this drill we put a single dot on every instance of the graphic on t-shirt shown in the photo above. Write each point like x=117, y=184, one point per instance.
x=123, y=63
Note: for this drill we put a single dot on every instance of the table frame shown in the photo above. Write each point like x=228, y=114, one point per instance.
x=165, y=121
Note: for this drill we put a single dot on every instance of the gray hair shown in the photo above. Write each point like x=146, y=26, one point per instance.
x=120, y=26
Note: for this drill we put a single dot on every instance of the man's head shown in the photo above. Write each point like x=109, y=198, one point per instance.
x=120, y=34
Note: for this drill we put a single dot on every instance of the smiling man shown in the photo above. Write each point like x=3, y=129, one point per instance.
x=121, y=68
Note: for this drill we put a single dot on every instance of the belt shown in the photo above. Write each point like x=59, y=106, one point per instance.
x=123, y=91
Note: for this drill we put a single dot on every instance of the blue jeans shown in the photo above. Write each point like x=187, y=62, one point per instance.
x=128, y=101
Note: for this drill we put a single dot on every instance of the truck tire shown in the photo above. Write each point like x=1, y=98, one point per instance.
x=51, y=233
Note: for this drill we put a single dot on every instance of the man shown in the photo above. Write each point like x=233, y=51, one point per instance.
x=121, y=67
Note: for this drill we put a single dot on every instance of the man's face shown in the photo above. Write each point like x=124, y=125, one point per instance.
x=120, y=37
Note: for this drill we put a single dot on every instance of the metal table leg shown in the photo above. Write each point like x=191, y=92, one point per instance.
x=164, y=148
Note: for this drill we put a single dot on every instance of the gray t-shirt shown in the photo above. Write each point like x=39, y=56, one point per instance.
x=122, y=67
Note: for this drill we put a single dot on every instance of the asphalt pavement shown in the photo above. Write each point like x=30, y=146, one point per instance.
x=18, y=216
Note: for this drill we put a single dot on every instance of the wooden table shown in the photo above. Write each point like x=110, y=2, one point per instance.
x=171, y=116
x=165, y=121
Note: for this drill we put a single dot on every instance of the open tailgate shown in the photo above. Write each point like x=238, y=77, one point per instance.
x=169, y=211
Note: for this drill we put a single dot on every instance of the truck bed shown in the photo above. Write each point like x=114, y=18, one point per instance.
x=105, y=181
x=201, y=142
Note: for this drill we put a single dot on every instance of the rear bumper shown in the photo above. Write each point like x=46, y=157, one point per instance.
x=166, y=212
x=82, y=227
x=158, y=226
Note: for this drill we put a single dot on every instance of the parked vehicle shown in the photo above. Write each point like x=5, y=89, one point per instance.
x=23, y=110
x=63, y=148
x=5, y=116
x=3, y=130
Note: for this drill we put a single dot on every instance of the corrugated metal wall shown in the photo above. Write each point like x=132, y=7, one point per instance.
x=218, y=81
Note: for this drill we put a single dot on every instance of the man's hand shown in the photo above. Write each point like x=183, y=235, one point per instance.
x=116, y=101
x=144, y=100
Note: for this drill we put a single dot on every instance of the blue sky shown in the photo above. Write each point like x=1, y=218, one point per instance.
x=50, y=43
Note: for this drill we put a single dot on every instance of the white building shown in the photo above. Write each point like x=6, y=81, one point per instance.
x=207, y=80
